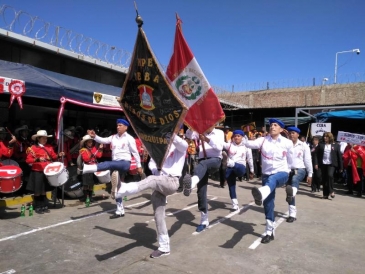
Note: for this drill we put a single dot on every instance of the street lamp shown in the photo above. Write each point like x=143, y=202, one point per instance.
x=353, y=50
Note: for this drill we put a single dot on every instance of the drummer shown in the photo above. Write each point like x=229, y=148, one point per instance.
x=89, y=153
x=20, y=149
x=6, y=148
x=67, y=143
x=39, y=156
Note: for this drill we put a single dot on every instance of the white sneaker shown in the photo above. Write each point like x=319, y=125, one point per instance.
x=235, y=207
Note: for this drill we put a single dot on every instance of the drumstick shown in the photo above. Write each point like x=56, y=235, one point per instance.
x=12, y=135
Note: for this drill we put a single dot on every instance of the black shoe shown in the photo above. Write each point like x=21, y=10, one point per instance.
x=180, y=189
x=115, y=216
x=39, y=210
x=45, y=209
x=318, y=190
x=267, y=239
x=349, y=192
x=257, y=196
x=289, y=194
x=291, y=219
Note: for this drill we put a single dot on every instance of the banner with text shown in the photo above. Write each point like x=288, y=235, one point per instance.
x=150, y=103
x=353, y=138
x=317, y=129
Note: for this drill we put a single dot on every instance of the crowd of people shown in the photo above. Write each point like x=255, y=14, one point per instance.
x=280, y=157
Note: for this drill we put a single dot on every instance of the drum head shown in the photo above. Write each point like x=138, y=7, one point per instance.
x=53, y=168
x=9, y=162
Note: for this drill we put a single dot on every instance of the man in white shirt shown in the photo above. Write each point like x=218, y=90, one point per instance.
x=210, y=157
x=300, y=162
x=163, y=182
x=122, y=146
x=237, y=154
x=275, y=171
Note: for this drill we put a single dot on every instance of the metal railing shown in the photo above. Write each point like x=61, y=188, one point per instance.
x=23, y=23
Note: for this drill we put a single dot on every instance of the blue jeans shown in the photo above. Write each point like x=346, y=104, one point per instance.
x=122, y=166
x=202, y=171
x=295, y=179
x=231, y=174
x=273, y=181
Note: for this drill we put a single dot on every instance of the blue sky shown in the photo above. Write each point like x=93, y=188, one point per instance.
x=235, y=42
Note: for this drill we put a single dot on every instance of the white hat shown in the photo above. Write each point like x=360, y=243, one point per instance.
x=84, y=139
x=40, y=133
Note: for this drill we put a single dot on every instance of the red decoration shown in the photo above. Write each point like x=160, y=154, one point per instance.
x=16, y=89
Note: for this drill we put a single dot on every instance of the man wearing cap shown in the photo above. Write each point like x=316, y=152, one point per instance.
x=275, y=171
x=163, y=182
x=236, y=164
x=300, y=161
x=122, y=145
x=6, y=151
x=209, y=160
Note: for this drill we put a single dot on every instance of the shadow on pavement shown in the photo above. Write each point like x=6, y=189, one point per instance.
x=140, y=232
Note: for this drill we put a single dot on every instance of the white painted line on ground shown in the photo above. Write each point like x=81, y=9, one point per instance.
x=178, y=211
x=64, y=223
x=257, y=242
x=230, y=215
x=10, y=271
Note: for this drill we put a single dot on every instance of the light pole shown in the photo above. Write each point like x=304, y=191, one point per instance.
x=353, y=50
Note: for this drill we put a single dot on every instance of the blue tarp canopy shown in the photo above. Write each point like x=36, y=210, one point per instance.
x=40, y=83
x=342, y=114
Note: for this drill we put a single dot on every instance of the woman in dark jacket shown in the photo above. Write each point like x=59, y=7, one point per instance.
x=328, y=157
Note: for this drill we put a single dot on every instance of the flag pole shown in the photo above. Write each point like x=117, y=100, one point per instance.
x=139, y=19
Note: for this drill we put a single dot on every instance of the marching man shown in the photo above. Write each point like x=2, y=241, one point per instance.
x=236, y=164
x=300, y=161
x=275, y=171
x=122, y=145
x=163, y=182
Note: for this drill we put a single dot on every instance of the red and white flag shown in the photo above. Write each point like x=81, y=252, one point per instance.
x=189, y=82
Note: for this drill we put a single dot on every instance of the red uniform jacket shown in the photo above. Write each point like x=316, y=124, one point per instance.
x=35, y=152
x=5, y=151
x=89, y=155
x=349, y=156
x=20, y=150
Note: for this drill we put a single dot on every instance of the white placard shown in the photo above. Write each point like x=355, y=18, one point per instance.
x=353, y=138
x=320, y=128
x=105, y=100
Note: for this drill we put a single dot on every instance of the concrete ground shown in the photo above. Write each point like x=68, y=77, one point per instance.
x=328, y=236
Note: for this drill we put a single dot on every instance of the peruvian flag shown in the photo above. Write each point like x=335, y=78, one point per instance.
x=189, y=82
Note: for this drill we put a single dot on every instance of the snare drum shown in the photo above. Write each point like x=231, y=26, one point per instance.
x=10, y=179
x=56, y=174
x=103, y=176
x=9, y=162
x=73, y=187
